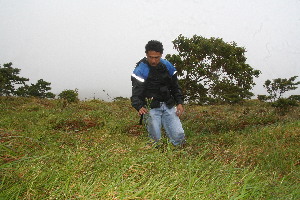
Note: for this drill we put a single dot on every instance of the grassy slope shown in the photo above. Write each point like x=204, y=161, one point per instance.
x=95, y=150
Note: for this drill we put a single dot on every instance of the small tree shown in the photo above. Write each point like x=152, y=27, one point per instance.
x=279, y=86
x=71, y=96
x=9, y=78
x=211, y=70
x=40, y=89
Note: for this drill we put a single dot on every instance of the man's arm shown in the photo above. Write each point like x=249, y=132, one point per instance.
x=137, y=93
x=176, y=90
x=177, y=94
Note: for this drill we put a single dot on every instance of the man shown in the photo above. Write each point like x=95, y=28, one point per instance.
x=155, y=93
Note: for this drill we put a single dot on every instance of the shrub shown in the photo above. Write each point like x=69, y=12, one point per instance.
x=295, y=97
x=279, y=86
x=264, y=98
x=71, y=96
x=283, y=105
x=120, y=99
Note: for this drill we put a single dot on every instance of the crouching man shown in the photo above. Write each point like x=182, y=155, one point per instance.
x=156, y=94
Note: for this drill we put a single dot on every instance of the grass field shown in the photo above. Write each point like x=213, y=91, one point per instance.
x=97, y=150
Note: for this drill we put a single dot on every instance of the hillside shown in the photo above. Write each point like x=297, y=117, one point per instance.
x=97, y=150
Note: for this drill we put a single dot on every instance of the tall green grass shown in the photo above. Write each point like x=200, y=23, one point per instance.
x=96, y=150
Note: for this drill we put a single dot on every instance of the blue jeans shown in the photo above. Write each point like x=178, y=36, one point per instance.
x=170, y=121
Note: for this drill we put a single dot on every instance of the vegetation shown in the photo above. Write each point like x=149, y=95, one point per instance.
x=40, y=89
x=11, y=84
x=284, y=105
x=279, y=86
x=276, y=89
x=96, y=150
x=9, y=78
x=212, y=71
x=71, y=96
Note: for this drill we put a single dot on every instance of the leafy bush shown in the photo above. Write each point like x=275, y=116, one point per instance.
x=295, y=97
x=71, y=96
x=264, y=98
x=283, y=105
x=40, y=89
x=279, y=86
x=120, y=99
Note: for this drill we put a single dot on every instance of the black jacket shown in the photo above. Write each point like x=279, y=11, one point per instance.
x=152, y=85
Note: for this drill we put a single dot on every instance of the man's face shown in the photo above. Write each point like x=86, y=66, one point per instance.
x=153, y=57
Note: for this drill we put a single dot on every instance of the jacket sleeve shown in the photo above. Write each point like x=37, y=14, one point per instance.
x=176, y=90
x=137, y=98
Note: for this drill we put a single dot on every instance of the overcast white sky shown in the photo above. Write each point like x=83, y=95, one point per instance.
x=93, y=45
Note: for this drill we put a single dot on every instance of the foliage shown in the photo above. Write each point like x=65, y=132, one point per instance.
x=40, y=89
x=9, y=78
x=120, y=99
x=276, y=89
x=279, y=86
x=212, y=71
x=295, y=97
x=96, y=150
x=71, y=96
x=284, y=105
x=264, y=98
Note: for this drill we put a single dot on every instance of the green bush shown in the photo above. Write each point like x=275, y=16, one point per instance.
x=71, y=96
x=264, y=98
x=283, y=105
x=295, y=97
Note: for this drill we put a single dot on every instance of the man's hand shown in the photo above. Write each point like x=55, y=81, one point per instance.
x=143, y=111
x=179, y=110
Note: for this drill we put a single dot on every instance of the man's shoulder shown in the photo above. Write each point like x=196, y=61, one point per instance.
x=141, y=65
x=169, y=66
x=141, y=70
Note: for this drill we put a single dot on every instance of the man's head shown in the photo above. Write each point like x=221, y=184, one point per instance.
x=154, y=50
